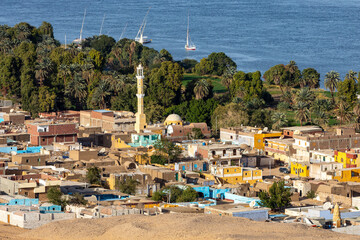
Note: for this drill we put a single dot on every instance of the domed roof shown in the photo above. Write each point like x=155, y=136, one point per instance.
x=173, y=118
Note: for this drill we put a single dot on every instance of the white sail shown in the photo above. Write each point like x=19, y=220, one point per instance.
x=189, y=45
x=140, y=35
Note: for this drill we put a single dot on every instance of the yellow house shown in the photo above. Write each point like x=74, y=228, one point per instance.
x=279, y=149
x=300, y=169
x=348, y=175
x=118, y=143
x=259, y=142
x=348, y=159
x=235, y=174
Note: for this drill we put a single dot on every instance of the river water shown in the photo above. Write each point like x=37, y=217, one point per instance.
x=256, y=34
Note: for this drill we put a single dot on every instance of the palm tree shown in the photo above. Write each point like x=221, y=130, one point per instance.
x=43, y=69
x=343, y=112
x=279, y=120
x=351, y=75
x=356, y=111
x=77, y=89
x=101, y=94
x=202, y=88
x=332, y=79
x=322, y=119
x=302, y=112
x=305, y=95
x=227, y=77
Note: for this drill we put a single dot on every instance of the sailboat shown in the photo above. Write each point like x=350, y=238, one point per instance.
x=189, y=45
x=140, y=35
x=80, y=40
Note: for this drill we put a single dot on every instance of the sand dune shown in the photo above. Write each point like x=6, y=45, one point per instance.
x=168, y=226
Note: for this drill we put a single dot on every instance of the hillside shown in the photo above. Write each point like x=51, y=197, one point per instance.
x=181, y=226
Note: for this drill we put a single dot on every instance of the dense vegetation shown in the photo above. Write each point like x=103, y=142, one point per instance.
x=43, y=76
x=174, y=194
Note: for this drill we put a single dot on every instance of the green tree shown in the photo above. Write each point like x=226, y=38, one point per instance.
x=55, y=196
x=77, y=199
x=221, y=63
x=196, y=134
x=93, y=175
x=347, y=89
x=169, y=149
x=310, y=77
x=127, y=186
x=165, y=84
x=278, y=197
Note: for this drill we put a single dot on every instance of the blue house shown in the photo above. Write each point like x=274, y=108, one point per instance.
x=208, y=192
x=144, y=139
x=24, y=202
x=49, y=208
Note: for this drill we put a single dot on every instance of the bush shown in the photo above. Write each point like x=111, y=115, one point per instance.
x=176, y=194
x=311, y=194
x=158, y=159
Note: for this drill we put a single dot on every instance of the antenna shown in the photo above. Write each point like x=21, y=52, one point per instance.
x=82, y=26
x=123, y=31
x=102, y=24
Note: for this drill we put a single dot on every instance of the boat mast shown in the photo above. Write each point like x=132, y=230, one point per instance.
x=123, y=31
x=142, y=27
x=82, y=26
x=102, y=24
x=187, y=33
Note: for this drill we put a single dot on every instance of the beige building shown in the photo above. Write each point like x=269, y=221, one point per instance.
x=32, y=159
x=324, y=170
x=343, y=138
x=108, y=120
x=83, y=154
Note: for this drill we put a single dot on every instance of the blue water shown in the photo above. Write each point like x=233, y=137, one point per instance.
x=257, y=34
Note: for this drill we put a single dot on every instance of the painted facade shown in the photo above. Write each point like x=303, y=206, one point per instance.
x=300, y=169
x=235, y=174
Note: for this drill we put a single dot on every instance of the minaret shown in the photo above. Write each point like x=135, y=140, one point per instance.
x=140, y=116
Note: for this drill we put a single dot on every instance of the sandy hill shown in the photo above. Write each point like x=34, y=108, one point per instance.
x=169, y=226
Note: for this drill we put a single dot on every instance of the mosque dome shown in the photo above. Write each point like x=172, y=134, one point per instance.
x=173, y=119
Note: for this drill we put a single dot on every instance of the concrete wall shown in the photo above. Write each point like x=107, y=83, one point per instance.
x=256, y=214
x=8, y=186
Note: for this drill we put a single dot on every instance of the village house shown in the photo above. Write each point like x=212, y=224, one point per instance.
x=108, y=120
x=225, y=153
x=279, y=148
x=291, y=131
x=325, y=155
x=324, y=170
x=180, y=133
x=343, y=138
x=350, y=158
x=14, y=118
x=31, y=159
x=253, y=137
x=46, y=133
x=235, y=174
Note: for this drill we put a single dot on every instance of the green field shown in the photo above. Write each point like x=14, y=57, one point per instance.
x=216, y=82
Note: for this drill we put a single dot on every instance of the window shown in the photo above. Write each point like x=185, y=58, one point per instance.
x=234, y=152
x=231, y=137
x=43, y=139
x=227, y=170
x=27, y=160
x=39, y=160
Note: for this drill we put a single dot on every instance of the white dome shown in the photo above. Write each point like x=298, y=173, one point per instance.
x=173, y=118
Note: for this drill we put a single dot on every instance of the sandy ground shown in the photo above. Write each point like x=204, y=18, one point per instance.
x=169, y=226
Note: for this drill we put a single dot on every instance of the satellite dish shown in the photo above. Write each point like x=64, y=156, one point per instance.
x=266, y=129
x=287, y=177
x=252, y=203
x=260, y=132
x=327, y=205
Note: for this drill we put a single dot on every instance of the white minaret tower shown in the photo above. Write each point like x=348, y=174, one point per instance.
x=140, y=124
